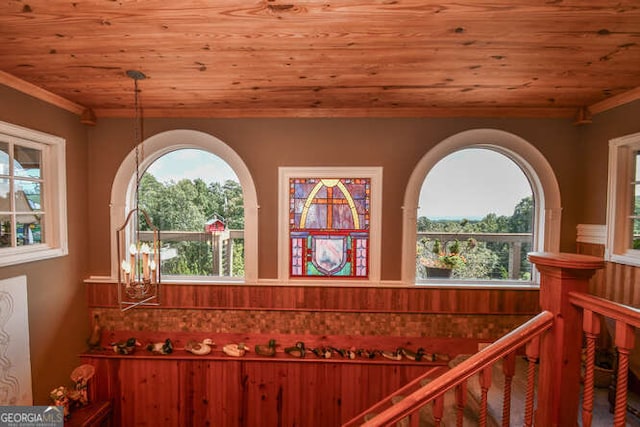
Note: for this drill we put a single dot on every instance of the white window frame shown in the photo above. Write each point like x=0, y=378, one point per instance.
x=54, y=192
x=546, y=194
x=375, y=174
x=123, y=193
x=619, y=199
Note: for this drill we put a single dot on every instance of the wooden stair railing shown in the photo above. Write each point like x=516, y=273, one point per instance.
x=558, y=393
x=481, y=362
x=389, y=400
x=627, y=321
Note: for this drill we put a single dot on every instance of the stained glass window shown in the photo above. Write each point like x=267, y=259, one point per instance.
x=329, y=224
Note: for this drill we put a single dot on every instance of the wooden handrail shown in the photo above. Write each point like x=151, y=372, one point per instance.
x=627, y=322
x=411, y=386
x=457, y=375
x=610, y=309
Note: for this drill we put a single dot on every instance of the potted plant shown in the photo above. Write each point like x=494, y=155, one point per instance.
x=443, y=258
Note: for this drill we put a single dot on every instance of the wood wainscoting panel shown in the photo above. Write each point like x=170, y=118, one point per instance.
x=239, y=392
x=150, y=393
x=331, y=298
x=617, y=282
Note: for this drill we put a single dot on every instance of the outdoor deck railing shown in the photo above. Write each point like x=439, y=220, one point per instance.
x=222, y=244
x=516, y=242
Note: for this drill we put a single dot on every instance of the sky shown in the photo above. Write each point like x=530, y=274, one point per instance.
x=466, y=184
x=472, y=183
x=191, y=164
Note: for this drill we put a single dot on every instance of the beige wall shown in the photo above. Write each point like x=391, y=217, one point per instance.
x=595, y=138
x=266, y=144
x=58, y=315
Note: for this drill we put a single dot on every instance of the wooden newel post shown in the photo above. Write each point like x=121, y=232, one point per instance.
x=560, y=347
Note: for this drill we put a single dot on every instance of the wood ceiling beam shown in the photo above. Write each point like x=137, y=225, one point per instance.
x=39, y=93
x=379, y=112
x=27, y=88
x=615, y=101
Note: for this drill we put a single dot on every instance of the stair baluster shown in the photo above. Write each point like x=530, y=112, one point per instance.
x=624, y=342
x=438, y=410
x=485, y=383
x=509, y=370
x=533, y=353
x=461, y=401
x=591, y=328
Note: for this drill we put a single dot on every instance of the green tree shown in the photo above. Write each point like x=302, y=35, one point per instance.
x=522, y=219
x=186, y=205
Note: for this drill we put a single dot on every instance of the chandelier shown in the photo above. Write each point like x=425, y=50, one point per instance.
x=138, y=240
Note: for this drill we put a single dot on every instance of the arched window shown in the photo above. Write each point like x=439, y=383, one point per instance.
x=545, y=205
x=206, y=252
x=195, y=199
x=475, y=218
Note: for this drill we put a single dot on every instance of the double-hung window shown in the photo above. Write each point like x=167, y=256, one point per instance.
x=32, y=195
x=623, y=214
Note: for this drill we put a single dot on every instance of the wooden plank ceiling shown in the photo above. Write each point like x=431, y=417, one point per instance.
x=297, y=58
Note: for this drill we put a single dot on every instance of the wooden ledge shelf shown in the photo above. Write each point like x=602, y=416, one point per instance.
x=434, y=345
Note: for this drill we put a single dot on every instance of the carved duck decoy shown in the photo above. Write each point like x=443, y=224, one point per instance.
x=322, y=352
x=296, y=351
x=235, y=350
x=200, y=348
x=351, y=353
x=340, y=351
x=367, y=354
x=96, y=334
x=165, y=347
x=392, y=355
x=416, y=356
x=125, y=347
x=266, y=350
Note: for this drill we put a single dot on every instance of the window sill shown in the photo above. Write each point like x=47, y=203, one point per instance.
x=31, y=254
x=433, y=284
x=183, y=280
x=478, y=284
x=627, y=259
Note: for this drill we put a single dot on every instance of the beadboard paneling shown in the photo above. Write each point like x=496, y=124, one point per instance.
x=617, y=282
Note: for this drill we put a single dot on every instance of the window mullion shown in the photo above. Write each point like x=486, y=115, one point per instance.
x=25, y=215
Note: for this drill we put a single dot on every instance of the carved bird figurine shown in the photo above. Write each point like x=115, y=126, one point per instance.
x=369, y=354
x=340, y=351
x=392, y=355
x=125, y=347
x=96, y=334
x=296, y=351
x=351, y=353
x=416, y=356
x=165, y=347
x=322, y=352
x=235, y=350
x=200, y=348
x=266, y=350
